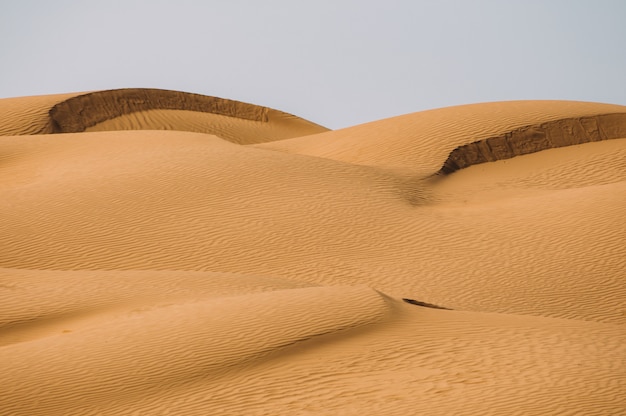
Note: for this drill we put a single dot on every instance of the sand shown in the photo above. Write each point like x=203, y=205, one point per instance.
x=168, y=253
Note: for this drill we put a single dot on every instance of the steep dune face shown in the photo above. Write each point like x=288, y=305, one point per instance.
x=531, y=139
x=77, y=113
x=150, y=109
x=237, y=268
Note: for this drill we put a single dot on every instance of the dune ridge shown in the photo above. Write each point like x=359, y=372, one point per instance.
x=41, y=303
x=531, y=139
x=77, y=113
x=463, y=363
x=188, y=341
x=173, y=261
x=150, y=109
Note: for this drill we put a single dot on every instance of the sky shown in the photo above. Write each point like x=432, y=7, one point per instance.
x=335, y=62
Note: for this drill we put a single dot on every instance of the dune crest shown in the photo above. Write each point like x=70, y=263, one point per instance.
x=77, y=113
x=150, y=109
x=531, y=139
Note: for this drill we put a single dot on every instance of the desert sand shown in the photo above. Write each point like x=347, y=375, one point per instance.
x=170, y=253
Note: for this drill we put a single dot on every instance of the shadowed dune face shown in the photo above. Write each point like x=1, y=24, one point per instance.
x=76, y=114
x=531, y=139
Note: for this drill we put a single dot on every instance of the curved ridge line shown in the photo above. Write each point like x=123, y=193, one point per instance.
x=535, y=138
x=76, y=114
x=424, y=304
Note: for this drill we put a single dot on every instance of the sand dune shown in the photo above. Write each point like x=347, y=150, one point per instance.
x=421, y=142
x=246, y=261
x=150, y=109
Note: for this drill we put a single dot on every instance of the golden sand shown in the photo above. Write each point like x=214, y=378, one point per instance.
x=167, y=253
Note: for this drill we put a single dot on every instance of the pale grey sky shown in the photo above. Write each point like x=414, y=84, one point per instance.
x=334, y=62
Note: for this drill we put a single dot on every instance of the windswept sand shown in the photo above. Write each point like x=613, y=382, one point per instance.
x=167, y=253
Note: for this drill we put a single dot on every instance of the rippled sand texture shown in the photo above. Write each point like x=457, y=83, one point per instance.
x=170, y=253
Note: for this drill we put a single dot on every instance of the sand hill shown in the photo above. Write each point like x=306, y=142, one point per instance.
x=170, y=253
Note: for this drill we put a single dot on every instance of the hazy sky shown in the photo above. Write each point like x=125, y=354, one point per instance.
x=334, y=62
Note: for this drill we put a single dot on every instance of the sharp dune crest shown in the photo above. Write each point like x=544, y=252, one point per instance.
x=171, y=253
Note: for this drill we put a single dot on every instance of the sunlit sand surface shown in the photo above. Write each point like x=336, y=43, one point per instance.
x=169, y=253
